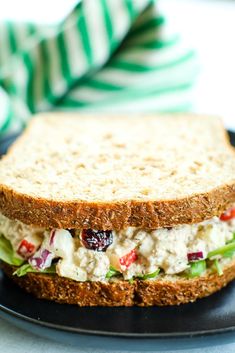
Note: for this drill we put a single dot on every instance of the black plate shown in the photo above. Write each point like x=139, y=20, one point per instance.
x=212, y=315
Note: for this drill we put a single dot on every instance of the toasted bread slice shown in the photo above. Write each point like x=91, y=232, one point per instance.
x=72, y=171
x=166, y=290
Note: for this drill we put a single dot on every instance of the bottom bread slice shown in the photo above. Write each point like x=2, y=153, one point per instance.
x=165, y=290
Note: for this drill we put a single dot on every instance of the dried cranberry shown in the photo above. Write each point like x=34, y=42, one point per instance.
x=98, y=240
x=195, y=256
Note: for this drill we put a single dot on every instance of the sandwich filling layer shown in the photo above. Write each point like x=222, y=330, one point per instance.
x=96, y=255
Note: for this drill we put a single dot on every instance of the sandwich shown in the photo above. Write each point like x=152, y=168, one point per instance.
x=119, y=210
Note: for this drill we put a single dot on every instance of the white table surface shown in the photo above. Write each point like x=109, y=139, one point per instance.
x=210, y=26
x=15, y=340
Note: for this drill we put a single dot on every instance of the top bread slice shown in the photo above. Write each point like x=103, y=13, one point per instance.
x=111, y=172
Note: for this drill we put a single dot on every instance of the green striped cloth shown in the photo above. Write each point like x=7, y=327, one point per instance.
x=106, y=55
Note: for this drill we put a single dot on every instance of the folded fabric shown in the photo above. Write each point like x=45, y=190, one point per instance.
x=105, y=56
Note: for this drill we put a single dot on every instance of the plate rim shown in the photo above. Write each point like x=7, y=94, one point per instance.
x=134, y=335
x=189, y=334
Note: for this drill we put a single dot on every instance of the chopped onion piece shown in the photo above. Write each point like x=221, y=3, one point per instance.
x=41, y=260
x=52, y=236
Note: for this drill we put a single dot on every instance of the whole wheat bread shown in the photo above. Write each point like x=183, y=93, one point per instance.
x=72, y=171
x=166, y=290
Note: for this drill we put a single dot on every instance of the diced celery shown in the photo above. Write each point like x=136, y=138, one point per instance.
x=196, y=268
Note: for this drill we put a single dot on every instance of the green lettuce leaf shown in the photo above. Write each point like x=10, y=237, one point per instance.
x=150, y=275
x=223, y=250
x=229, y=254
x=112, y=272
x=7, y=253
x=26, y=268
x=232, y=240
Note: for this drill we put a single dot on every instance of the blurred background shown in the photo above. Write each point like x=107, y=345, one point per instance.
x=206, y=29
x=209, y=26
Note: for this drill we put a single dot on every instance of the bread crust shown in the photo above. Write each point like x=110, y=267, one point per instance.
x=116, y=215
x=160, y=292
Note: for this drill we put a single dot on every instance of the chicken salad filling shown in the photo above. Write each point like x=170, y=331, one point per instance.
x=97, y=255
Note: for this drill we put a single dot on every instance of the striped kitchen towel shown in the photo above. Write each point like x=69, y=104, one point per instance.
x=105, y=55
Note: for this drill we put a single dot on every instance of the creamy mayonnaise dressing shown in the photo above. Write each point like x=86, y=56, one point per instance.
x=162, y=248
